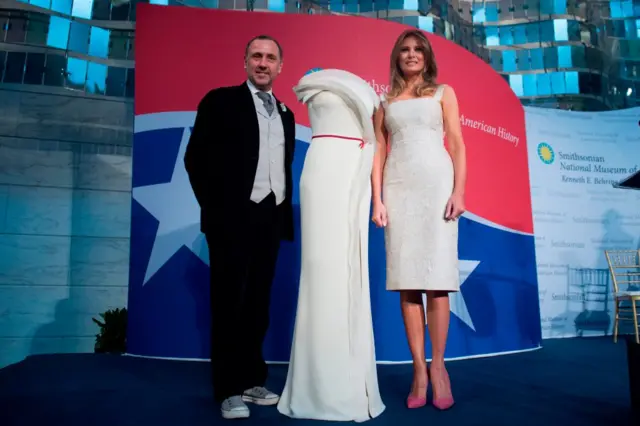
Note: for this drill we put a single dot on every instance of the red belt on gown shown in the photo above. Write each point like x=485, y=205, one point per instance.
x=340, y=137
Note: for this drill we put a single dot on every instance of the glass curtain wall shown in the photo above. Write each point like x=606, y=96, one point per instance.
x=580, y=55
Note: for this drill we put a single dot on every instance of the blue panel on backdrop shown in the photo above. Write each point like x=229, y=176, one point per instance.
x=497, y=309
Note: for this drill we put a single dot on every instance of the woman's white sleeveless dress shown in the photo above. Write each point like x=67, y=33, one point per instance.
x=332, y=371
x=421, y=246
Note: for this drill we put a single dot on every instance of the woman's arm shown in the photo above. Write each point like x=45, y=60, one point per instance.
x=455, y=143
x=380, y=155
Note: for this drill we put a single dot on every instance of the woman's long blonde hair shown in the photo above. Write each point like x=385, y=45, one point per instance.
x=429, y=73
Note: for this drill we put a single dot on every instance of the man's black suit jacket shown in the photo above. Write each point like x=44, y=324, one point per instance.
x=222, y=157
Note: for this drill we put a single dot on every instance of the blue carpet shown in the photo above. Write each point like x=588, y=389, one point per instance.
x=568, y=382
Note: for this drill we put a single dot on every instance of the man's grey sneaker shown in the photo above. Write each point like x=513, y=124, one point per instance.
x=260, y=396
x=234, y=408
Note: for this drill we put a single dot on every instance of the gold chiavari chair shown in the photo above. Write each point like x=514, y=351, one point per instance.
x=624, y=266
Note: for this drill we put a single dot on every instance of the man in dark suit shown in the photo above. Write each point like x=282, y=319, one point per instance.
x=239, y=164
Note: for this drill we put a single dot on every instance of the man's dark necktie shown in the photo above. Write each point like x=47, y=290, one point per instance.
x=267, y=100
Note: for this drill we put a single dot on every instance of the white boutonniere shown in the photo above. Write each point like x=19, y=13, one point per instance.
x=283, y=107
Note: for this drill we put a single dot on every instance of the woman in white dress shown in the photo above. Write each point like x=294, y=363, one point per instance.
x=332, y=371
x=418, y=193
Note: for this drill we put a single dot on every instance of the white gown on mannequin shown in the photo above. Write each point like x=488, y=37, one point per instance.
x=332, y=372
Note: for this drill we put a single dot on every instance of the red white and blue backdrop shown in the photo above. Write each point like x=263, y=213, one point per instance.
x=497, y=309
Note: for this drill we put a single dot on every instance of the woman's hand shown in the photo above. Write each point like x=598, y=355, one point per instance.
x=455, y=207
x=379, y=215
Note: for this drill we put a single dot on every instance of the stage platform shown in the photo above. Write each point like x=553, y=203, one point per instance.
x=581, y=381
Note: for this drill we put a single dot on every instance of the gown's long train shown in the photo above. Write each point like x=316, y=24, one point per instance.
x=332, y=371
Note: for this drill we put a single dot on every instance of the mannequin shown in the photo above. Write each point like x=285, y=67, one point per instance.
x=332, y=372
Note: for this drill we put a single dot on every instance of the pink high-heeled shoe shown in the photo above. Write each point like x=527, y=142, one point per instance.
x=417, y=401
x=443, y=403
x=446, y=402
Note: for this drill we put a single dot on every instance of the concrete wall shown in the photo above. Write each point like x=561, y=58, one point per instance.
x=65, y=188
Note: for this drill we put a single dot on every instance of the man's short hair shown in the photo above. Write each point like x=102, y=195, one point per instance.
x=263, y=37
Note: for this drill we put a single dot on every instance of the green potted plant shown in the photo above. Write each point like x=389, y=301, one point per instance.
x=112, y=338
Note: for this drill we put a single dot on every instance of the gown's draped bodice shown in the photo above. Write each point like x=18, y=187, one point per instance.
x=329, y=114
x=353, y=92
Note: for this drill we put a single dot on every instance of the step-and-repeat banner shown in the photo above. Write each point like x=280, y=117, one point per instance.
x=575, y=158
x=182, y=53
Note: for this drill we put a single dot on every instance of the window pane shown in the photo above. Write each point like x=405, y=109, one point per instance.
x=425, y=23
x=132, y=49
x=550, y=57
x=523, y=60
x=120, y=13
x=491, y=11
x=3, y=60
x=119, y=45
x=516, y=83
x=62, y=6
x=492, y=36
x=560, y=7
x=630, y=29
x=557, y=83
x=564, y=57
x=478, y=14
x=589, y=83
x=278, y=5
x=616, y=9
x=99, y=42
x=16, y=30
x=627, y=8
x=116, y=78
x=96, y=78
x=509, y=60
x=561, y=30
x=37, y=30
x=54, y=70
x=544, y=84
x=537, y=61
x=35, y=68
x=82, y=8
x=76, y=73
x=41, y=3
x=506, y=36
x=351, y=6
x=546, y=7
x=409, y=4
x=578, y=58
x=530, y=88
x=15, y=67
x=574, y=30
x=533, y=33
x=130, y=85
x=365, y=6
x=58, y=32
x=546, y=31
x=496, y=59
x=101, y=9
x=79, y=37
x=519, y=34
x=4, y=27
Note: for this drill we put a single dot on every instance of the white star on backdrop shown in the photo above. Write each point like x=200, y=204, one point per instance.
x=178, y=226
x=457, y=304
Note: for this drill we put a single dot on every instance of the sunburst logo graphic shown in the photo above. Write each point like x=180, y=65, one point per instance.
x=545, y=152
